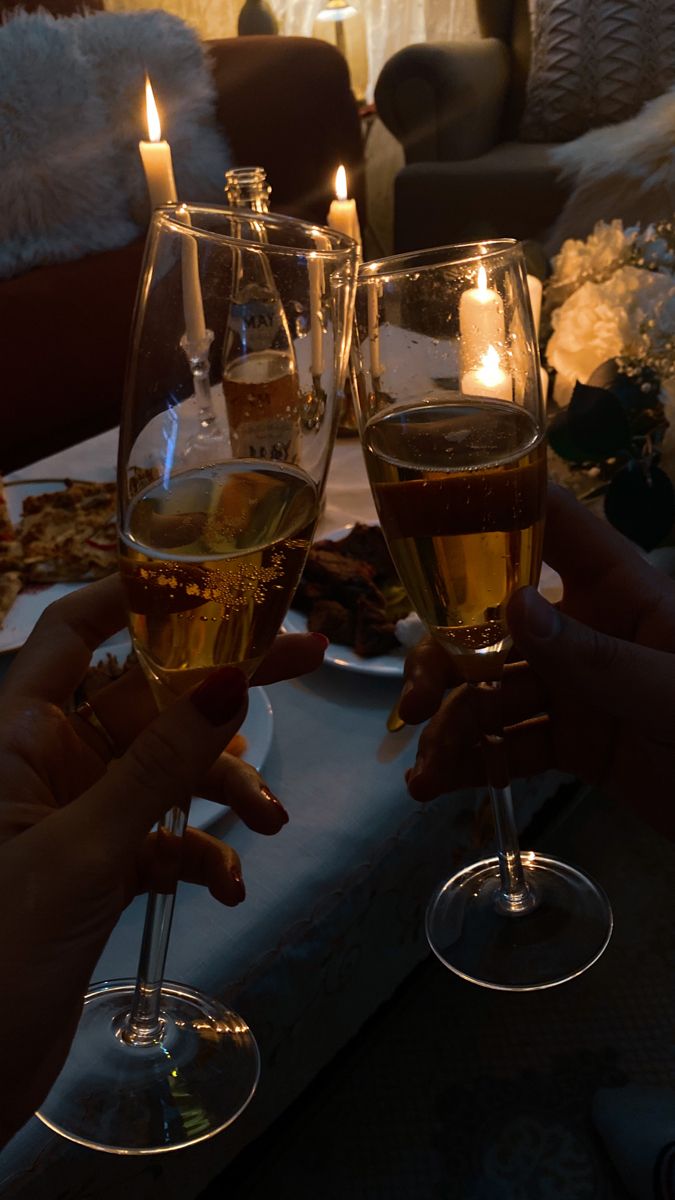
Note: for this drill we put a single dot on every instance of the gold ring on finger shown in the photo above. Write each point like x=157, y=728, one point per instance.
x=87, y=713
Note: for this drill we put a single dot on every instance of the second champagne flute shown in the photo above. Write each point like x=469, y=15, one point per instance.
x=446, y=378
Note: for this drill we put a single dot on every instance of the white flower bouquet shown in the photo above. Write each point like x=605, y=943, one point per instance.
x=613, y=297
x=609, y=318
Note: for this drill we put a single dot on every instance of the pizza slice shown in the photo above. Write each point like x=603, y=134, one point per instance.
x=10, y=586
x=10, y=558
x=69, y=535
x=10, y=546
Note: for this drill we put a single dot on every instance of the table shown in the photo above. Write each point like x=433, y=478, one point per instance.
x=334, y=915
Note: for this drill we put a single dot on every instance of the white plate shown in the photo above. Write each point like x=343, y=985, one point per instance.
x=257, y=729
x=343, y=656
x=550, y=586
x=32, y=601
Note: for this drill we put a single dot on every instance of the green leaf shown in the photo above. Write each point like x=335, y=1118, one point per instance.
x=560, y=439
x=598, y=422
x=640, y=503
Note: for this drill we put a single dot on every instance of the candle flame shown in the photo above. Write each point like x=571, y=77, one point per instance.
x=490, y=372
x=154, y=127
x=482, y=283
x=341, y=183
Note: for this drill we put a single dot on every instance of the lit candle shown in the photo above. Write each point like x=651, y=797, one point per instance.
x=373, y=296
x=316, y=282
x=535, y=288
x=156, y=156
x=342, y=214
x=193, y=304
x=488, y=379
x=481, y=321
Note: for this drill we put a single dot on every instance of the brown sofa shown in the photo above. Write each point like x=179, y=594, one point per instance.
x=284, y=103
x=456, y=108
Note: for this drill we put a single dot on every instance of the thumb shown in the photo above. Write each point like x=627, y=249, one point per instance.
x=580, y=664
x=165, y=763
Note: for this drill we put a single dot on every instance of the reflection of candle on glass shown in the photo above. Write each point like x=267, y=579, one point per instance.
x=543, y=375
x=156, y=156
x=193, y=304
x=488, y=379
x=535, y=288
x=316, y=282
x=373, y=296
x=481, y=320
x=342, y=213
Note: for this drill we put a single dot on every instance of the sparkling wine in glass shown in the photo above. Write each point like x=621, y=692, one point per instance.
x=213, y=536
x=210, y=564
x=452, y=426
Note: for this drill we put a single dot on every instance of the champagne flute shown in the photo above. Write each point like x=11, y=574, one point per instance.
x=213, y=538
x=446, y=376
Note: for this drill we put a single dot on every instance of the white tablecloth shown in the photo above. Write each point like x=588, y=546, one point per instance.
x=333, y=919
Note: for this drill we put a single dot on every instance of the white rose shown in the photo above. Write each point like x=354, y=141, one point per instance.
x=600, y=321
x=608, y=247
x=605, y=250
x=586, y=332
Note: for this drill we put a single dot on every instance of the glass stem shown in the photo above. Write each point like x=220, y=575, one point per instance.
x=144, y=1025
x=516, y=895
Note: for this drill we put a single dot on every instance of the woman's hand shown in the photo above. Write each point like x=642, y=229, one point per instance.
x=597, y=692
x=75, y=823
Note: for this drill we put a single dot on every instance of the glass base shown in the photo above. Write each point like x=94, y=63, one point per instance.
x=561, y=934
x=131, y=1099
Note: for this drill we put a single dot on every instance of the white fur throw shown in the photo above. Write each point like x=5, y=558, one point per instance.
x=72, y=111
x=625, y=170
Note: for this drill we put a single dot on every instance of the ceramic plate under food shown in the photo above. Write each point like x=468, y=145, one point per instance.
x=390, y=664
x=34, y=599
x=346, y=657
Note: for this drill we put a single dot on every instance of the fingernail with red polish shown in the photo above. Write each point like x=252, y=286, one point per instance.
x=412, y=779
x=235, y=876
x=411, y=776
x=220, y=696
x=321, y=638
x=272, y=799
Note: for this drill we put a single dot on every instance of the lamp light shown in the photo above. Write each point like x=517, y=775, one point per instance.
x=340, y=23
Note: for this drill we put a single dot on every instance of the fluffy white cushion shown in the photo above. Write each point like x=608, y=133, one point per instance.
x=72, y=112
x=625, y=170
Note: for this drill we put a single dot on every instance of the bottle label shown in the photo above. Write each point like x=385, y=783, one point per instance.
x=274, y=440
x=257, y=320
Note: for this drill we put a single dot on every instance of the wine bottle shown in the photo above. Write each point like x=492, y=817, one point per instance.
x=260, y=378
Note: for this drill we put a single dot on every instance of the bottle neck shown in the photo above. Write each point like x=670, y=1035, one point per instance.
x=247, y=187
